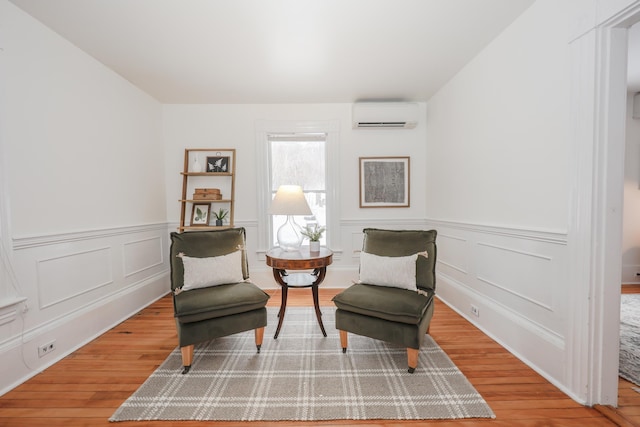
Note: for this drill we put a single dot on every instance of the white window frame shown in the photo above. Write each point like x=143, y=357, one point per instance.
x=263, y=130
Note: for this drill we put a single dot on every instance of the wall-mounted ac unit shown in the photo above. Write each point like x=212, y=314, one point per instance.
x=385, y=115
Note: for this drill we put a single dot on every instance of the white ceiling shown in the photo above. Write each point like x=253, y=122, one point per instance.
x=282, y=51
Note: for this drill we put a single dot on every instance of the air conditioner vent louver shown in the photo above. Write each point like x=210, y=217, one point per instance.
x=382, y=124
x=385, y=115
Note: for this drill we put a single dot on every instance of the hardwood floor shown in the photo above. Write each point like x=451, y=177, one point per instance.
x=85, y=388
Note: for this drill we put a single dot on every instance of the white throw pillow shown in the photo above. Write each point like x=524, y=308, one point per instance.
x=396, y=272
x=212, y=271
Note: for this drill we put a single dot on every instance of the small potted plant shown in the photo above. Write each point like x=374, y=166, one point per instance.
x=220, y=215
x=314, y=234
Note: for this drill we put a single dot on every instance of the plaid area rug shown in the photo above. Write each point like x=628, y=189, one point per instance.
x=304, y=376
x=629, y=366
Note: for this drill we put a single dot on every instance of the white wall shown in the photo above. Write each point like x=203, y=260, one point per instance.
x=631, y=212
x=497, y=188
x=83, y=196
x=70, y=123
x=497, y=133
x=224, y=126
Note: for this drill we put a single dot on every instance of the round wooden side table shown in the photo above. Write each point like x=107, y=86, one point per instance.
x=281, y=261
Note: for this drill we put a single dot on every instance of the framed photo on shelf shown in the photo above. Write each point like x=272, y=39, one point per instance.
x=218, y=164
x=384, y=182
x=200, y=214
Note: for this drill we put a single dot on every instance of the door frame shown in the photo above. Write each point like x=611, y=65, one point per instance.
x=598, y=112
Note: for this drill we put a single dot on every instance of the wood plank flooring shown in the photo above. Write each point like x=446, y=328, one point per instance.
x=85, y=388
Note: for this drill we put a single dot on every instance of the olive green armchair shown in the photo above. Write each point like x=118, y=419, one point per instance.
x=211, y=295
x=393, y=301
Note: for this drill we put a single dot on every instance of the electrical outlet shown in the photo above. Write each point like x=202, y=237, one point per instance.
x=47, y=348
x=475, y=310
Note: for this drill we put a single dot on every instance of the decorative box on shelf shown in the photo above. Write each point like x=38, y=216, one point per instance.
x=207, y=194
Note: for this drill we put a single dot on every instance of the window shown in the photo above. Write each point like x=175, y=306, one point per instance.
x=299, y=159
x=298, y=153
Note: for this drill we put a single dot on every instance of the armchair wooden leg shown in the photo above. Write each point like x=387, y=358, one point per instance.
x=259, y=336
x=187, y=357
x=343, y=341
x=412, y=359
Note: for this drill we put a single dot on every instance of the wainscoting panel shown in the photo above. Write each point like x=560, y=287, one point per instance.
x=141, y=255
x=69, y=275
x=75, y=287
x=521, y=276
x=357, y=239
x=453, y=255
x=511, y=283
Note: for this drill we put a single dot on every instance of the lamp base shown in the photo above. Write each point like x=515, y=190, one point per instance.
x=289, y=236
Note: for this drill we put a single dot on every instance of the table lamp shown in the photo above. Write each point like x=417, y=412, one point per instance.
x=289, y=201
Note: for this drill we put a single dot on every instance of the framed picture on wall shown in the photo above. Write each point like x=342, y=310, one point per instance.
x=218, y=164
x=200, y=214
x=384, y=182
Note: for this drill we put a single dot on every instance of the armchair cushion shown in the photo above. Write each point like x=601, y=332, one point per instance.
x=393, y=304
x=218, y=301
x=211, y=271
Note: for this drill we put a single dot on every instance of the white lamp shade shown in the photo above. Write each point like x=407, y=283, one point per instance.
x=289, y=200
